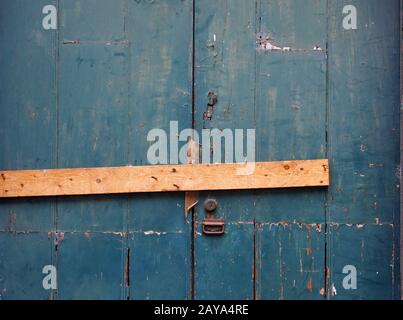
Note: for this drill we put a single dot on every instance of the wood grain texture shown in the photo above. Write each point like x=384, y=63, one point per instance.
x=282, y=95
x=110, y=180
x=28, y=129
x=363, y=144
x=87, y=94
x=296, y=273
x=160, y=91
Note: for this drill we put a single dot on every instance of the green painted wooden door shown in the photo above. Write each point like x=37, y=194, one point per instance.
x=88, y=93
x=274, y=246
x=312, y=89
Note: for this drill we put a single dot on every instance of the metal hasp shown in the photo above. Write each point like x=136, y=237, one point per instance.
x=213, y=227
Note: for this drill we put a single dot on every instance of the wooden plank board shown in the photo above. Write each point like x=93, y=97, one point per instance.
x=283, y=96
x=364, y=143
x=189, y=177
x=159, y=34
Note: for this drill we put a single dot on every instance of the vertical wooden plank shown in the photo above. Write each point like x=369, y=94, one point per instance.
x=289, y=261
x=27, y=140
x=160, y=263
x=27, y=113
x=28, y=87
x=225, y=264
x=160, y=37
x=93, y=127
x=291, y=123
x=364, y=122
x=225, y=62
x=225, y=49
x=291, y=100
x=281, y=94
x=159, y=241
x=364, y=131
x=93, y=131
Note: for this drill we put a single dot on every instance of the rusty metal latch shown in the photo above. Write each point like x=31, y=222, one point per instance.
x=211, y=102
x=213, y=227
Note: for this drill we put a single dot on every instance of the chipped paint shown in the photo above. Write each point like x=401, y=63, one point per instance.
x=309, y=285
x=333, y=290
x=58, y=238
x=158, y=233
x=264, y=44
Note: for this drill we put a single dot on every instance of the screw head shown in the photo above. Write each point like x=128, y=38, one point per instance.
x=210, y=205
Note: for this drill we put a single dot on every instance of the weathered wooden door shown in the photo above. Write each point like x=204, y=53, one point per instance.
x=312, y=85
x=86, y=95
x=274, y=243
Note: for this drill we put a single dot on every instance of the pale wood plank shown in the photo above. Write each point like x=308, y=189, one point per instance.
x=163, y=178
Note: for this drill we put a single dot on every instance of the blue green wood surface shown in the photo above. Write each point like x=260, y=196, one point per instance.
x=88, y=93
x=22, y=257
x=82, y=96
x=225, y=264
x=90, y=266
x=363, y=146
x=283, y=96
x=160, y=91
x=27, y=140
x=371, y=249
x=289, y=260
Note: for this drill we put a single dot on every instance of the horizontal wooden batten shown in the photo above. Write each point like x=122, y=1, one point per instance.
x=163, y=178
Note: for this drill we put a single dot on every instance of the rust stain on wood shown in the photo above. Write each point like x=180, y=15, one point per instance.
x=309, y=286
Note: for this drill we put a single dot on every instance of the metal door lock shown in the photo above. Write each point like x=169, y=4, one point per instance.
x=213, y=227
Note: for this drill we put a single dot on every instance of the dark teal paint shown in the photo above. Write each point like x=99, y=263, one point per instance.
x=22, y=257
x=90, y=266
x=92, y=132
x=92, y=20
x=27, y=107
x=225, y=264
x=159, y=265
x=283, y=96
x=88, y=94
x=27, y=140
x=364, y=129
x=289, y=260
x=88, y=100
x=226, y=67
x=160, y=91
x=370, y=248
